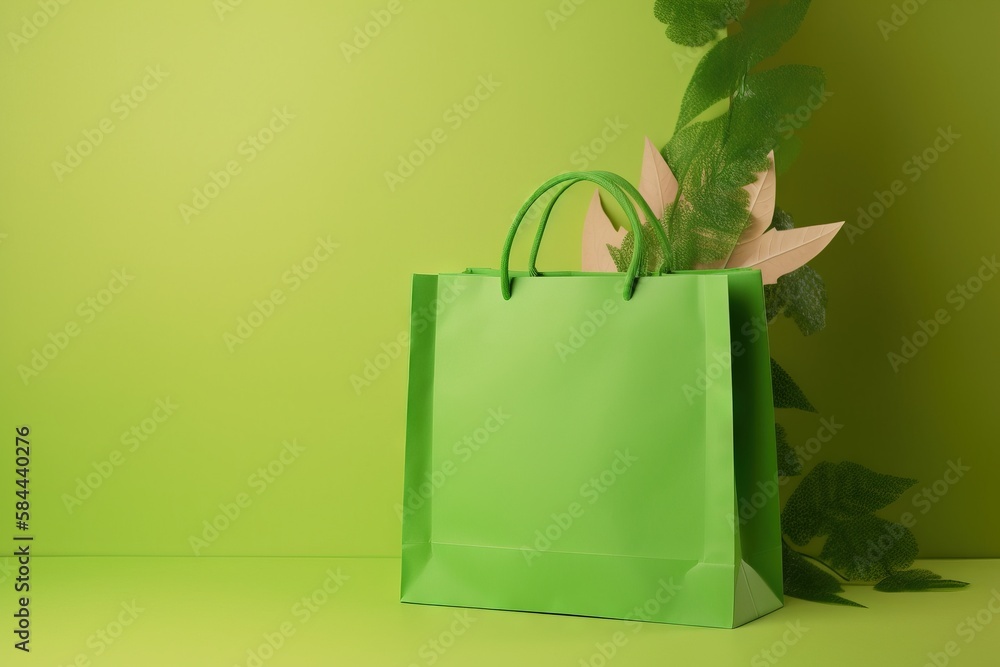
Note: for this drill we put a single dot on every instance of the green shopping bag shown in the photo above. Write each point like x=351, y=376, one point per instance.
x=592, y=444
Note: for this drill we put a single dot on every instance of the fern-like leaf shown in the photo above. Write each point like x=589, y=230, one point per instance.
x=787, y=394
x=916, y=580
x=697, y=22
x=720, y=71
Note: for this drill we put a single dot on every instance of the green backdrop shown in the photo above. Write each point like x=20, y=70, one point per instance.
x=896, y=93
x=210, y=212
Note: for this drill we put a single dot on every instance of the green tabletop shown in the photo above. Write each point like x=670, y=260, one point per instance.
x=150, y=611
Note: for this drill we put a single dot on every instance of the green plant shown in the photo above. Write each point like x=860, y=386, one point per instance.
x=715, y=157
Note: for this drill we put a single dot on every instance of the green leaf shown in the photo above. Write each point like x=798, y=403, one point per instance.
x=711, y=211
x=833, y=493
x=697, y=22
x=720, y=71
x=868, y=548
x=782, y=220
x=714, y=159
x=789, y=464
x=622, y=256
x=786, y=152
x=806, y=581
x=805, y=299
x=916, y=580
x=806, y=513
x=768, y=98
x=801, y=294
x=787, y=394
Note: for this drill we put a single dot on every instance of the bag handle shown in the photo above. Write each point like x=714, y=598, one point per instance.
x=602, y=180
x=636, y=197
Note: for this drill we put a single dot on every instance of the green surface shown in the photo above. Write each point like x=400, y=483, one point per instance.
x=894, y=94
x=324, y=367
x=213, y=611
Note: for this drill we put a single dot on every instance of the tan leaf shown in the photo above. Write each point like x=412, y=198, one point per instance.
x=762, y=193
x=776, y=253
x=598, y=232
x=657, y=184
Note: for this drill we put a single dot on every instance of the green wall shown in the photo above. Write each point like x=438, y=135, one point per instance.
x=244, y=171
x=603, y=77
x=895, y=95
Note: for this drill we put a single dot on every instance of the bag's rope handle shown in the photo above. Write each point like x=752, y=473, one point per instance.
x=639, y=200
x=638, y=251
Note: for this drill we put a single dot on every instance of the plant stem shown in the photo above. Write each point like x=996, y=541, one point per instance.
x=814, y=558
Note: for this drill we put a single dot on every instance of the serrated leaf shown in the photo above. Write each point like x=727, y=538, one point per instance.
x=622, y=255
x=598, y=233
x=762, y=196
x=777, y=253
x=786, y=152
x=867, y=547
x=787, y=394
x=806, y=514
x=861, y=490
x=767, y=98
x=712, y=209
x=697, y=22
x=806, y=581
x=801, y=294
x=789, y=464
x=657, y=183
x=803, y=299
x=782, y=220
x=916, y=580
x=833, y=493
x=719, y=72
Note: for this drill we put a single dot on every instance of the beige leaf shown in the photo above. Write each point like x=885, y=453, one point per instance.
x=776, y=253
x=598, y=232
x=657, y=184
x=762, y=193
